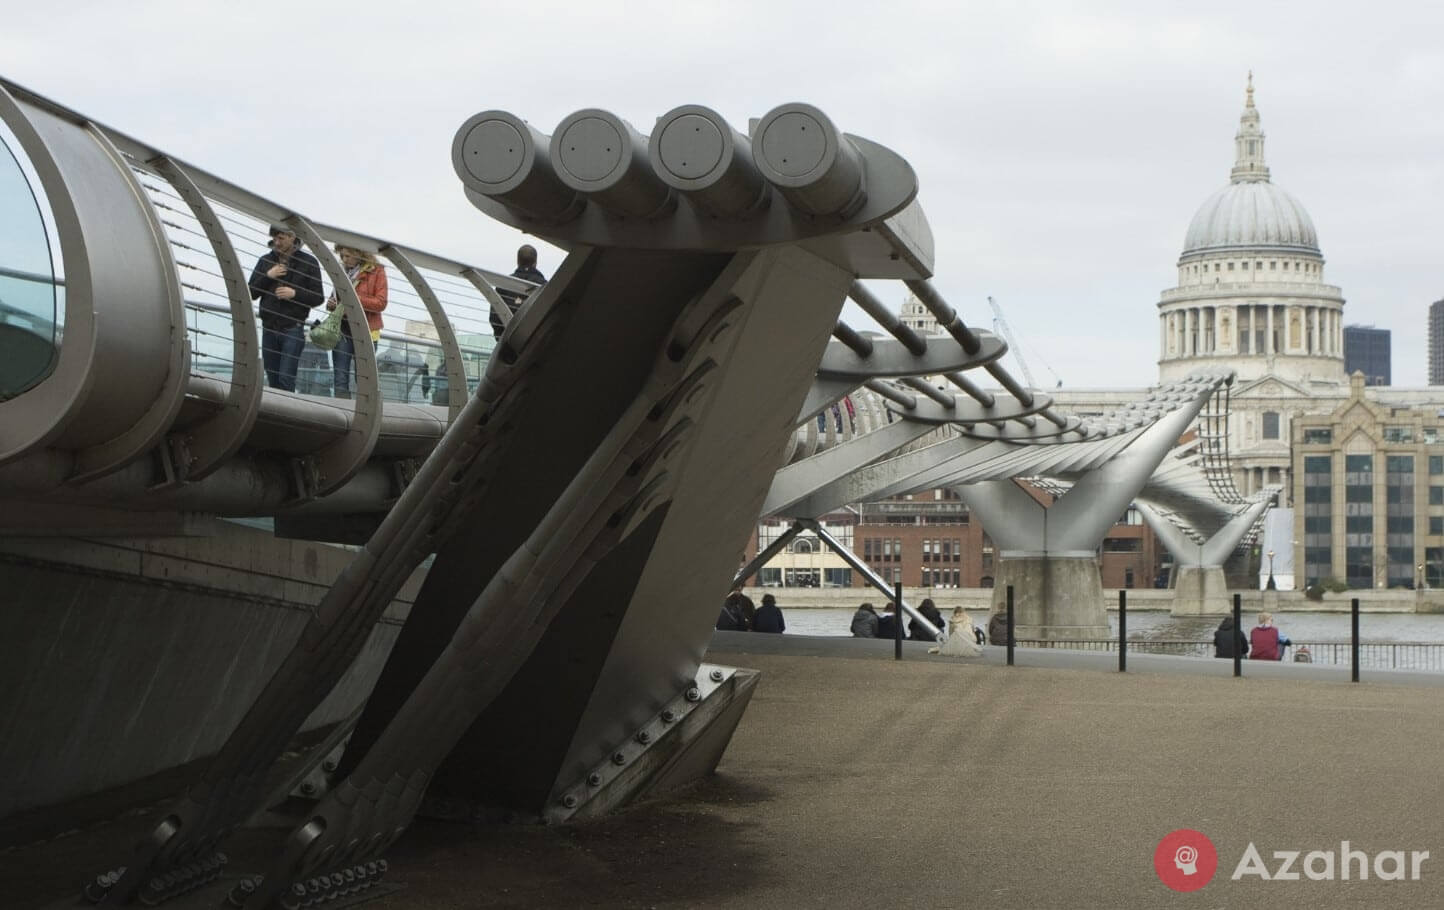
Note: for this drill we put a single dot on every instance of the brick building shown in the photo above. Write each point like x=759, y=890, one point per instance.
x=931, y=540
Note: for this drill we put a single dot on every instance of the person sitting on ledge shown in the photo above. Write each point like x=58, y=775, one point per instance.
x=1227, y=640
x=929, y=611
x=887, y=622
x=768, y=617
x=864, y=622
x=1267, y=641
x=998, y=628
x=961, y=642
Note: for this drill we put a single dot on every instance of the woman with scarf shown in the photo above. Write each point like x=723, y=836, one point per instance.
x=369, y=278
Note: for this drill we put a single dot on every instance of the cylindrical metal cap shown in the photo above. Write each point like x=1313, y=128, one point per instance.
x=816, y=168
x=504, y=158
x=693, y=149
x=601, y=155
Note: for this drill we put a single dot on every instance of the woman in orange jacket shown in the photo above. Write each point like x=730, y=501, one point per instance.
x=369, y=278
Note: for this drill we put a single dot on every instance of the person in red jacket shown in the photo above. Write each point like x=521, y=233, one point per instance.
x=1266, y=641
x=369, y=278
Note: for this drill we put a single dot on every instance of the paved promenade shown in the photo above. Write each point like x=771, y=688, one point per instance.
x=855, y=781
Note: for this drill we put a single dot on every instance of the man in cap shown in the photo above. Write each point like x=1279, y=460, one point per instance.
x=287, y=281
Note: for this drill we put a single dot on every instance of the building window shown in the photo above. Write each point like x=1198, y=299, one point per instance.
x=1273, y=266
x=1270, y=425
x=925, y=579
x=1122, y=545
x=1436, y=496
x=1319, y=435
x=837, y=578
x=1436, y=464
x=1436, y=524
x=1128, y=577
x=1398, y=434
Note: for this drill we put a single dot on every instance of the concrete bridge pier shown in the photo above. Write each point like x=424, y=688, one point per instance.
x=1199, y=584
x=1049, y=553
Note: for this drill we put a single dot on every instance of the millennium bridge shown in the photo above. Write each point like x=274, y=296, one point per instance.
x=483, y=585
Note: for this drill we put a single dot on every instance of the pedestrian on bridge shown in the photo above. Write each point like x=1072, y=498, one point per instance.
x=527, y=271
x=769, y=616
x=287, y=281
x=369, y=278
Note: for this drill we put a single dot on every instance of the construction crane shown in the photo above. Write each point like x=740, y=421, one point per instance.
x=1001, y=327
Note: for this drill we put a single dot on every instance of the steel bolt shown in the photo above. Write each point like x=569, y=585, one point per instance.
x=299, y=889
x=643, y=737
x=569, y=801
x=715, y=676
x=328, y=765
x=337, y=880
x=668, y=716
x=307, y=787
x=693, y=694
x=594, y=779
x=618, y=758
x=382, y=866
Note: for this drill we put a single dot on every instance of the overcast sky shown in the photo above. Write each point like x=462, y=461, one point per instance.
x=1061, y=147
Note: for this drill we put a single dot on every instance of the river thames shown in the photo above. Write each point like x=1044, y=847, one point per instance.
x=1403, y=640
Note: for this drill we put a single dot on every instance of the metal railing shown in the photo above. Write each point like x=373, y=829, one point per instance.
x=1391, y=655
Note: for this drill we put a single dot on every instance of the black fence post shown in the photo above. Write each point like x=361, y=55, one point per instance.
x=897, y=626
x=1237, y=631
x=1354, y=637
x=1010, y=625
x=1122, y=631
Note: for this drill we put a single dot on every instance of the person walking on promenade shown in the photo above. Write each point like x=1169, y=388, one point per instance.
x=287, y=281
x=525, y=269
x=369, y=278
x=929, y=611
x=768, y=617
x=1267, y=641
x=864, y=622
x=961, y=641
x=1227, y=640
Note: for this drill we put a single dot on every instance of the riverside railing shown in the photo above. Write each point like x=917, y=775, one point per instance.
x=1393, y=655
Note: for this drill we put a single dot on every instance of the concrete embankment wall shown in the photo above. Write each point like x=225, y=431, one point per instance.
x=978, y=599
x=124, y=658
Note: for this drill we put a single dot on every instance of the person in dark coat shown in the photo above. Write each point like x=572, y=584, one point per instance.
x=864, y=622
x=1227, y=640
x=768, y=617
x=525, y=269
x=998, y=628
x=929, y=611
x=737, y=611
x=287, y=281
x=887, y=622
